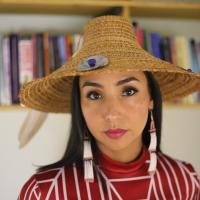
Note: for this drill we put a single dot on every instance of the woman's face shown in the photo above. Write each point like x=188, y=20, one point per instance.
x=115, y=107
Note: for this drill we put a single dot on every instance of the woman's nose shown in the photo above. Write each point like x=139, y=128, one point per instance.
x=112, y=110
x=111, y=116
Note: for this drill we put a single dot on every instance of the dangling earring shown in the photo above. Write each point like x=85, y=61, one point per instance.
x=87, y=158
x=152, y=146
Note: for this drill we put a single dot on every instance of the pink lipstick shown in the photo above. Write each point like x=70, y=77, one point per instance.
x=115, y=133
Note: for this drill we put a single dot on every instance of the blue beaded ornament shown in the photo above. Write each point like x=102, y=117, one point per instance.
x=91, y=62
x=189, y=70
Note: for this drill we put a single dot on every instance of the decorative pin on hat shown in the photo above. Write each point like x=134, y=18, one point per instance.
x=92, y=62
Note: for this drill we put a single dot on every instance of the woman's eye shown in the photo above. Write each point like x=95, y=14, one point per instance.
x=129, y=91
x=94, y=95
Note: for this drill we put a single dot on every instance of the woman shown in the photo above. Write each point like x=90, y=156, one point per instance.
x=116, y=91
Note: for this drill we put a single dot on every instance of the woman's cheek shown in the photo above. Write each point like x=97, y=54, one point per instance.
x=138, y=108
x=90, y=114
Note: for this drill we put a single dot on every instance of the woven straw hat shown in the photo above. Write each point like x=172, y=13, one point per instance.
x=109, y=44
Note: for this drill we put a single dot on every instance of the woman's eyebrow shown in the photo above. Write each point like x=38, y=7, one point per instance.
x=88, y=83
x=120, y=82
x=126, y=80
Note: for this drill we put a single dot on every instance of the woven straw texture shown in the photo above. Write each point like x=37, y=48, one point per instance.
x=114, y=38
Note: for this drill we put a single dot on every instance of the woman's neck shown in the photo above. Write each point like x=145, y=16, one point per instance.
x=125, y=155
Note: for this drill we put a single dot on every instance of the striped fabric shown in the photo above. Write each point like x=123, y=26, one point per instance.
x=116, y=181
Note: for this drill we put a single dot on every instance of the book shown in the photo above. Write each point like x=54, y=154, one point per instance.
x=39, y=55
x=33, y=38
x=62, y=49
x=155, y=43
x=198, y=52
x=6, y=90
x=51, y=53
x=26, y=71
x=182, y=52
x=47, y=68
x=173, y=50
x=149, y=42
x=56, y=52
x=165, y=49
x=14, y=67
x=193, y=55
x=1, y=71
x=145, y=38
x=68, y=44
x=139, y=33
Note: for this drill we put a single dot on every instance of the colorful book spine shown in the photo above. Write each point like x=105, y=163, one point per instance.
x=173, y=50
x=139, y=33
x=69, y=46
x=7, y=91
x=198, y=52
x=182, y=52
x=51, y=53
x=145, y=38
x=26, y=71
x=56, y=52
x=149, y=42
x=155, y=43
x=40, y=55
x=47, y=69
x=1, y=71
x=33, y=38
x=165, y=49
x=14, y=67
x=183, y=59
x=62, y=49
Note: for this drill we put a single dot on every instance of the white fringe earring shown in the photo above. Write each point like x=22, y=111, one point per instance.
x=88, y=159
x=152, y=146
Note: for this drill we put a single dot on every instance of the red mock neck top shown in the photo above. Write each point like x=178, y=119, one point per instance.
x=173, y=179
x=116, y=169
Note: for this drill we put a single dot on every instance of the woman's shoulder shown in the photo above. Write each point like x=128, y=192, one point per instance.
x=41, y=184
x=170, y=163
x=177, y=173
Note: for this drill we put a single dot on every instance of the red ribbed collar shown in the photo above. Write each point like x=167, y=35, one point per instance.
x=116, y=169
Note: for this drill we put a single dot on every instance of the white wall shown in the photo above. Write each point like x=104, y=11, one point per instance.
x=181, y=134
x=181, y=127
x=17, y=165
x=27, y=23
x=184, y=27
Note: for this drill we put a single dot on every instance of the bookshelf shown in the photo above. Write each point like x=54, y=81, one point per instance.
x=12, y=108
x=128, y=8
x=165, y=9
x=142, y=8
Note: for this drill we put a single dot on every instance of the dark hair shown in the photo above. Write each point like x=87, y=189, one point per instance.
x=155, y=94
x=74, y=150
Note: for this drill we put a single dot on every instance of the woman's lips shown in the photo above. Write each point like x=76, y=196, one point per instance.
x=115, y=133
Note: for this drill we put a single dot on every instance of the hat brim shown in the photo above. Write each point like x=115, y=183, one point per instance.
x=53, y=92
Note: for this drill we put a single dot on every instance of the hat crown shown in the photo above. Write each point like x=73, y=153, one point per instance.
x=109, y=29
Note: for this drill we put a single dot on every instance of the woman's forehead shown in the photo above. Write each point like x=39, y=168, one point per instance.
x=113, y=76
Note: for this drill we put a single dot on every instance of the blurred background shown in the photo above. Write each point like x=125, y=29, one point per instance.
x=170, y=31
